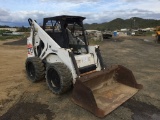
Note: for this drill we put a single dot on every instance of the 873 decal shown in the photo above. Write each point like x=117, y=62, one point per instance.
x=30, y=49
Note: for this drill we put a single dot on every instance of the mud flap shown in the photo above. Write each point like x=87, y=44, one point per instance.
x=102, y=92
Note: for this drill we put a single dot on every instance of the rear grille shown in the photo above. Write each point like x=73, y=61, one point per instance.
x=87, y=68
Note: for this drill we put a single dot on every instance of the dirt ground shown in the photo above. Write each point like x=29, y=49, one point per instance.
x=22, y=100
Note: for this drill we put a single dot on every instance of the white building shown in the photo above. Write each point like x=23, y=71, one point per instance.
x=10, y=29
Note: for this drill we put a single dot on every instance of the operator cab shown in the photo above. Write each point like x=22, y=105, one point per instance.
x=67, y=32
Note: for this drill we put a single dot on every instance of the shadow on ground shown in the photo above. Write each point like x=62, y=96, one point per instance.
x=142, y=111
x=22, y=41
x=27, y=111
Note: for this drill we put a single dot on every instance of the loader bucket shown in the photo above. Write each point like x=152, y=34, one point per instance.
x=102, y=92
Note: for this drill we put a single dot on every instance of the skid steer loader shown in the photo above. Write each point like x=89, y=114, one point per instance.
x=61, y=53
x=158, y=34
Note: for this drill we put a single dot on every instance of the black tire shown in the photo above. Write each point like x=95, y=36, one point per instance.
x=58, y=78
x=34, y=69
x=158, y=38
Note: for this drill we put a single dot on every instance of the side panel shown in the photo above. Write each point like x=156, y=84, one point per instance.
x=158, y=32
x=84, y=60
x=92, y=49
x=51, y=58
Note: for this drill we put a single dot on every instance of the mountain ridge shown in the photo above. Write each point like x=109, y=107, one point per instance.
x=119, y=23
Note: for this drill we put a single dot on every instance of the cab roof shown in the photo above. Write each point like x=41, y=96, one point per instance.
x=66, y=18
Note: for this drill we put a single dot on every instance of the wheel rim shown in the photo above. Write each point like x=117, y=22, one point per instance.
x=53, y=79
x=30, y=70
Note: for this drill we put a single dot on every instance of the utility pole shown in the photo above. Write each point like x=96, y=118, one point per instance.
x=134, y=23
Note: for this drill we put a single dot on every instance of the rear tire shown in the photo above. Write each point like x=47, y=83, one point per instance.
x=34, y=69
x=158, y=38
x=58, y=78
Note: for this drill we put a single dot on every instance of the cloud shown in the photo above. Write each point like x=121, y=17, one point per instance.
x=21, y=17
x=3, y=12
x=130, y=0
x=95, y=11
x=70, y=1
x=4, y=16
x=146, y=1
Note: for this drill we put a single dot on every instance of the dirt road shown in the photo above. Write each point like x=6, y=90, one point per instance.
x=22, y=100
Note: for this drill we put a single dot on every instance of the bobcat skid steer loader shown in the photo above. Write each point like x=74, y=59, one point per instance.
x=61, y=53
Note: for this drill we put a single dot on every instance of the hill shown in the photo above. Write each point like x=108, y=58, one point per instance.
x=119, y=23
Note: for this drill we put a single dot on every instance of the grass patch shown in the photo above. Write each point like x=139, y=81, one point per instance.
x=3, y=38
x=149, y=33
x=93, y=42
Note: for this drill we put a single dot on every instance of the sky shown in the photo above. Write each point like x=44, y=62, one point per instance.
x=17, y=12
